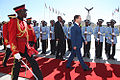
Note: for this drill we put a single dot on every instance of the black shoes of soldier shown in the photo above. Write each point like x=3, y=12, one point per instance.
x=88, y=69
x=70, y=67
x=4, y=65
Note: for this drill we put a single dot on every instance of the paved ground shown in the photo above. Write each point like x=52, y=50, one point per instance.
x=92, y=59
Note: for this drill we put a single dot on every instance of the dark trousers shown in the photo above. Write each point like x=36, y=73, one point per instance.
x=87, y=49
x=76, y=52
x=33, y=63
x=1, y=41
x=64, y=47
x=106, y=46
x=44, y=46
x=98, y=49
x=113, y=50
x=53, y=46
x=61, y=47
x=37, y=44
x=46, y=43
x=31, y=43
x=7, y=55
x=69, y=44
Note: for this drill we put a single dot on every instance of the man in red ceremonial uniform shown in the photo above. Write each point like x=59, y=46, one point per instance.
x=18, y=38
x=32, y=38
x=6, y=39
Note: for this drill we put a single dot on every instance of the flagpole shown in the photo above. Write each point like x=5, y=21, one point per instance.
x=49, y=15
x=44, y=13
x=44, y=9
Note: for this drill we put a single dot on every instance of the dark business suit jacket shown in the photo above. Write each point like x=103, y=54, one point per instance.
x=59, y=33
x=76, y=36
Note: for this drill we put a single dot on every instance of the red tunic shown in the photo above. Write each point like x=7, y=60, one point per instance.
x=31, y=33
x=18, y=36
x=6, y=34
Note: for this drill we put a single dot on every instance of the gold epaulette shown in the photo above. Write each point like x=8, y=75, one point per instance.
x=6, y=41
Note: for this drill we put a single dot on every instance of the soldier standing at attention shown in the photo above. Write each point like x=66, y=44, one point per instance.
x=52, y=37
x=99, y=32
x=37, y=33
x=87, y=32
x=112, y=39
x=106, y=32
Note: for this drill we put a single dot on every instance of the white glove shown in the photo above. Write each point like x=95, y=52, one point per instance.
x=99, y=32
x=0, y=31
x=85, y=32
x=98, y=39
x=113, y=34
x=17, y=56
x=56, y=42
x=8, y=46
x=51, y=32
x=112, y=40
x=40, y=32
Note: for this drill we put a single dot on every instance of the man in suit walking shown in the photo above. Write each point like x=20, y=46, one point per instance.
x=77, y=40
x=60, y=38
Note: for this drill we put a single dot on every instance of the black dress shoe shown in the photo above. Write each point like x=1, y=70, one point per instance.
x=84, y=56
x=100, y=58
x=43, y=53
x=113, y=58
x=70, y=67
x=63, y=59
x=109, y=57
x=96, y=57
x=52, y=54
x=4, y=65
x=88, y=69
x=88, y=57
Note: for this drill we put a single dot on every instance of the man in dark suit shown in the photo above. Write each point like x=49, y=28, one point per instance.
x=77, y=40
x=60, y=38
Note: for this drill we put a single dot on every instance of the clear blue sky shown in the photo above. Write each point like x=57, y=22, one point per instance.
x=102, y=9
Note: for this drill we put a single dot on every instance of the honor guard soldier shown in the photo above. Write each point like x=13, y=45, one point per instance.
x=37, y=33
x=47, y=39
x=69, y=36
x=99, y=32
x=31, y=34
x=112, y=39
x=106, y=32
x=89, y=23
x=52, y=37
x=87, y=32
x=65, y=32
x=44, y=36
x=6, y=39
x=18, y=38
x=1, y=35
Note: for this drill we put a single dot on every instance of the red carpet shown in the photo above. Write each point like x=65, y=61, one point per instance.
x=53, y=69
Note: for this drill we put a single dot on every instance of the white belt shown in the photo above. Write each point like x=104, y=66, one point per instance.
x=8, y=46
